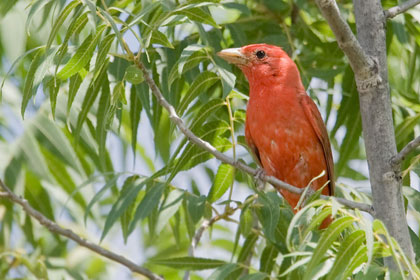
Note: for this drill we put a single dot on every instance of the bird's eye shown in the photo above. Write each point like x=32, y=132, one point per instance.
x=260, y=54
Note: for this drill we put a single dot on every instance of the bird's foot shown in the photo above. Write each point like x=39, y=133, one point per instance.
x=259, y=183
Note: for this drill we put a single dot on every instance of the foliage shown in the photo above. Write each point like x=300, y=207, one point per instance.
x=97, y=151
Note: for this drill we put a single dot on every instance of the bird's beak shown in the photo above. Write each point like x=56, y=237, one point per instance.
x=234, y=56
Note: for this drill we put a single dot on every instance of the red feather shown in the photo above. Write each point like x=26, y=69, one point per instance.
x=283, y=127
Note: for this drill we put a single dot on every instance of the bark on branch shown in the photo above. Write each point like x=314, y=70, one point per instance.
x=226, y=159
x=404, y=6
x=53, y=227
x=364, y=67
x=368, y=59
x=411, y=146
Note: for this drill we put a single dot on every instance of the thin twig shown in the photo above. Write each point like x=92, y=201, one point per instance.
x=197, y=237
x=411, y=146
x=364, y=67
x=404, y=6
x=53, y=227
x=224, y=158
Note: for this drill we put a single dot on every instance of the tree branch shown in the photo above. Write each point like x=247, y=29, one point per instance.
x=364, y=67
x=224, y=158
x=411, y=146
x=404, y=6
x=53, y=227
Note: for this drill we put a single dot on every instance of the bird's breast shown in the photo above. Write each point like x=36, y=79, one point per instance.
x=287, y=144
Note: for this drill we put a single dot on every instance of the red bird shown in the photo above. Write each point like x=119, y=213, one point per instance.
x=283, y=128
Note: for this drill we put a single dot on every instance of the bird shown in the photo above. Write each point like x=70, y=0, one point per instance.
x=283, y=128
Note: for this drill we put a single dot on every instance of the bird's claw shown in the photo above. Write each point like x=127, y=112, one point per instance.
x=259, y=183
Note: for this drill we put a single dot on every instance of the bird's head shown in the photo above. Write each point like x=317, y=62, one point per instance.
x=262, y=63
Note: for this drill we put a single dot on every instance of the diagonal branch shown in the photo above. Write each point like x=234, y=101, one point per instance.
x=411, y=146
x=404, y=6
x=226, y=159
x=53, y=227
x=364, y=67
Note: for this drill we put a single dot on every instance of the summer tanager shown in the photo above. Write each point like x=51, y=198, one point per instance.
x=283, y=128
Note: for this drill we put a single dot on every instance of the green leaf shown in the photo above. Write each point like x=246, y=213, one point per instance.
x=161, y=39
x=74, y=85
x=127, y=216
x=98, y=195
x=58, y=143
x=248, y=247
x=28, y=90
x=190, y=263
x=35, y=8
x=192, y=155
x=34, y=159
x=298, y=264
x=101, y=131
x=246, y=222
x=146, y=9
x=75, y=28
x=103, y=51
x=54, y=87
x=268, y=258
x=82, y=56
x=186, y=55
x=197, y=14
x=135, y=112
x=224, y=271
x=195, y=206
x=37, y=196
x=223, y=180
x=148, y=204
x=317, y=220
x=60, y=20
x=90, y=98
x=190, y=57
x=228, y=80
x=269, y=213
x=169, y=208
x=124, y=201
x=346, y=252
x=255, y=276
x=133, y=75
x=200, y=84
x=325, y=242
x=114, y=26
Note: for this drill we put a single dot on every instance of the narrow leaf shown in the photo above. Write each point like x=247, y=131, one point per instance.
x=28, y=89
x=101, y=131
x=197, y=14
x=135, y=111
x=148, y=204
x=200, y=84
x=190, y=263
x=268, y=258
x=325, y=242
x=60, y=20
x=222, y=182
x=89, y=99
x=169, y=208
x=82, y=56
x=225, y=271
x=346, y=252
x=74, y=84
x=161, y=39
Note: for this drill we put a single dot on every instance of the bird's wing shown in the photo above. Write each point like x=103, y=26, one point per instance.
x=314, y=117
x=254, y=150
